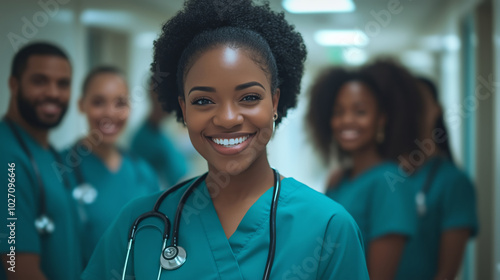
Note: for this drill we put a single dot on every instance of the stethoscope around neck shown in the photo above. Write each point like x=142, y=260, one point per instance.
x=174, y=256
x=43, y=222
x=83, y=193
x=421, y=196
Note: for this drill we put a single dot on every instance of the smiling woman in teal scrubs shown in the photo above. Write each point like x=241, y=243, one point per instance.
x=112, y=177
x=349, y=111
x=234, y=72
x=447, y=202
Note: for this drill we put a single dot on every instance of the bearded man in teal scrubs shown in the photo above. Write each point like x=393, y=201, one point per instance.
x=39, y=83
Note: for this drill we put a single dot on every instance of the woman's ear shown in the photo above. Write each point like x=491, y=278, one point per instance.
x=276, y=100
x=182, y=103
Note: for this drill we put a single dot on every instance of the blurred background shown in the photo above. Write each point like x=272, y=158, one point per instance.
x=454, y=42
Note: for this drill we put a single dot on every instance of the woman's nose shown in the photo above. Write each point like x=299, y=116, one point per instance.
x=228, y=116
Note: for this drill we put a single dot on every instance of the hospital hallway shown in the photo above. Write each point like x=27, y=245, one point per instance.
x=454, y=43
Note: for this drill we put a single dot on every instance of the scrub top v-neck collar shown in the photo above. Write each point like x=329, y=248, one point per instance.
x=105, y=168
x=225, y=251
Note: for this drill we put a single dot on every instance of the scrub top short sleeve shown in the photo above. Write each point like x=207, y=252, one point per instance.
x=343, y=241
x=459, y=205
x=391, y=208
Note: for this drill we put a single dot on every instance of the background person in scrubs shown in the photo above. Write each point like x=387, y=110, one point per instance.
x=348, y=112
x=39, y=83
x=235, y=70
x=116, y=176
x=450, y=216
x=156, y=147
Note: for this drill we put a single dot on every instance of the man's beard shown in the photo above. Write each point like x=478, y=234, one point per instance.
x=27, y=110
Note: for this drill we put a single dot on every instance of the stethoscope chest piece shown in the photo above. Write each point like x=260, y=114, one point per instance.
x=173, y=257
x=85, y=193
x=44, y=225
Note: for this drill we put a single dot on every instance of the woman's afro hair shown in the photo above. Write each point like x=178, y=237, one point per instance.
x=199, y=16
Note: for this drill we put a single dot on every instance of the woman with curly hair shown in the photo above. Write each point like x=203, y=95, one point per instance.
x=350, y=114
x=234, y=70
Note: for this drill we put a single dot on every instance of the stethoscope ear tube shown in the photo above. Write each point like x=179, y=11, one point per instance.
x=272, y=225
x=133, y=231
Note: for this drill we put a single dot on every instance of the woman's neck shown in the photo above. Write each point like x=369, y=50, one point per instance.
x=364, y=159
x=108, y=153
x=249, y=184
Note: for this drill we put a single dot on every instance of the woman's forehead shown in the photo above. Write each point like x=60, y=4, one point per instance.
x=225, y=64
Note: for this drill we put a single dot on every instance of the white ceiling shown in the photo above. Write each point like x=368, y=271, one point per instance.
x=416, y=18
x=403, y=31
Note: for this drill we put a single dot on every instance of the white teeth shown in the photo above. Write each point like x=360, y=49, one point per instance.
x=110, y=128
x=228, y=142
x=349, y=134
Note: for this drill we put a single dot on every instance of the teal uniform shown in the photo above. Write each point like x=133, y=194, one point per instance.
x=59, y=251
x=450, y=203
x=133, y=179
x=316, y=239
x=160, y=152
x=378, y=204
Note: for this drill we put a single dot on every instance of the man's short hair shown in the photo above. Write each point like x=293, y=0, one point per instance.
x=21, y=58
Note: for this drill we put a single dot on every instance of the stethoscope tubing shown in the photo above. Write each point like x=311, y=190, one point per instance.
x=272, y=226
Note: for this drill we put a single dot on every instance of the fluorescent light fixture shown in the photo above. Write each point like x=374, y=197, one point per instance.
x=355, y=56
x=354, y=38
x=318, y=6
x=96, y=17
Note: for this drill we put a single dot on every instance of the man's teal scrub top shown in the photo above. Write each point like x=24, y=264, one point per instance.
x=316, y=239
x=451, y=204
x=60, y=252
x=378, y=204
x=115, y=188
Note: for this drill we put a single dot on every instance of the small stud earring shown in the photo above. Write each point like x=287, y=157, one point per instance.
x=275, y=116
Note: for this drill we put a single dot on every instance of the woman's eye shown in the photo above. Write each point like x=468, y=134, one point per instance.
x=97, y=102
x=202, y=101
x=252, y=97
x=361, y=112
x=121, y=104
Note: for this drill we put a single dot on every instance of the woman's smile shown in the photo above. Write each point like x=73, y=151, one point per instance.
x=230, y=144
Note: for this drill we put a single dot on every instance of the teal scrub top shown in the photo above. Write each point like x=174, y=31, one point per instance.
x=316, y=239
x=60, y=251
x=451, y=204
x=133, y=179
x=160, y=152
x=378, y=204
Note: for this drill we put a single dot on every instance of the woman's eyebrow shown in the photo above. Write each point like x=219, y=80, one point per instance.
x=249, y=84
x=207, y=89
